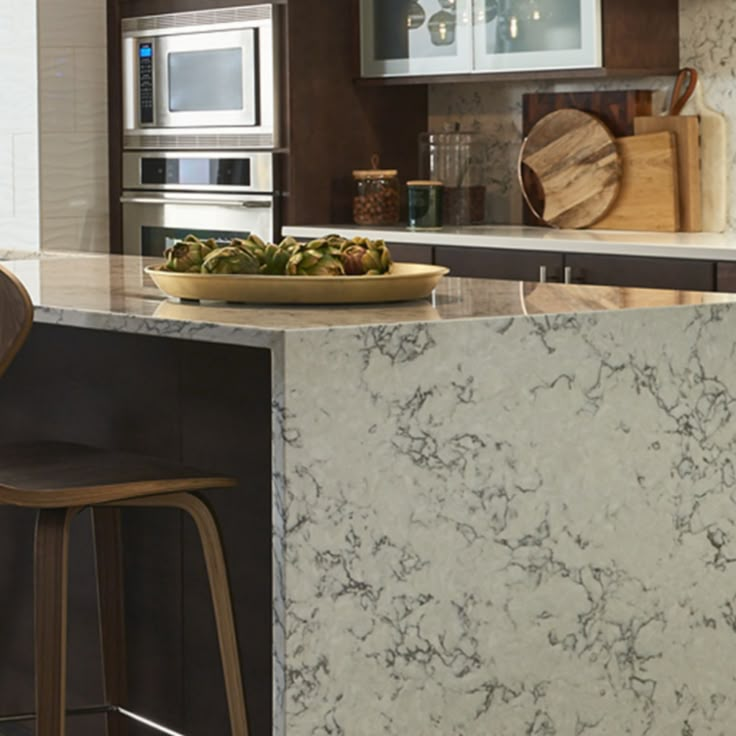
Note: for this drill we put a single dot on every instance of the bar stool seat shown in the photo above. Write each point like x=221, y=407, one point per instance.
x=61, y=474
x=60, y=479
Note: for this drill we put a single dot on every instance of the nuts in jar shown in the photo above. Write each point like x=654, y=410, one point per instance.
x=376, y=196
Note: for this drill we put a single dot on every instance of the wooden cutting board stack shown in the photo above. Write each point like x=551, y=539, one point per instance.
x=661, y=186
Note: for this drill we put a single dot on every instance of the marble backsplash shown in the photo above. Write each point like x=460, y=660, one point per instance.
x=707, y=30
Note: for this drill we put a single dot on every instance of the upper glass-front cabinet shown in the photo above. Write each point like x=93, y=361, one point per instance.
x=414, y=37
x=406, y=37
x=518, y=35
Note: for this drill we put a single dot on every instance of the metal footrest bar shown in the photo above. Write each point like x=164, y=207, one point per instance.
x=147, y=722
x=91, y=710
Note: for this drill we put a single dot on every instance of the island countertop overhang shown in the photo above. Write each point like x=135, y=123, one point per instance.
x=111, y=292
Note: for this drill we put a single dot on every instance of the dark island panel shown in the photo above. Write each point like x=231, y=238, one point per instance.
x=205, y=404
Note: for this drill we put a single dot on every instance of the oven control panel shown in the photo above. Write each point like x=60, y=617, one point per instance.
x=145, y=82
x=196, y=171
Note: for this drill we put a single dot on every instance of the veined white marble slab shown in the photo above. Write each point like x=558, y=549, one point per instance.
x=111, y=292
x=510, y=512
x=707, y=246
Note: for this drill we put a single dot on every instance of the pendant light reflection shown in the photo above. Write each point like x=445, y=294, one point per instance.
x=415, y=16
x=513, y=27
x=442, y=28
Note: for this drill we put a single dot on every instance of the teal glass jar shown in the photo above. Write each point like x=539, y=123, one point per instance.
x=424, y=204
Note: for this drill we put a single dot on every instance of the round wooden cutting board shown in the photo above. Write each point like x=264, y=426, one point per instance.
x=578, y=166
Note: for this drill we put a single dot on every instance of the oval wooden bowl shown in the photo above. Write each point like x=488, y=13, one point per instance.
x=405, y=282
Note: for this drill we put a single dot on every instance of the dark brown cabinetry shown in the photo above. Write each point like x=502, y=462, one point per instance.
x=725, y=276
x=657, y=273
x=492, y=263
x=685, y=274
x=407, y=253
x=638, y=38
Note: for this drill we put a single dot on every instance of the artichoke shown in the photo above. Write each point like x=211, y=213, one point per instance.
x=252, y=242
x=273, y=260
x=363, y=256
x=316, y=258
x=187, y=255
x=230, y=259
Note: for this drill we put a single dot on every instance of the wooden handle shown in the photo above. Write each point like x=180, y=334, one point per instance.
x=679, y=96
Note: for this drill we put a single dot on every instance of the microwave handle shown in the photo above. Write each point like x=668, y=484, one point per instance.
x=251, y=204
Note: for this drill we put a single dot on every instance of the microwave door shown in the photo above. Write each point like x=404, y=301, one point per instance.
x=152, y=222
x=205, y=80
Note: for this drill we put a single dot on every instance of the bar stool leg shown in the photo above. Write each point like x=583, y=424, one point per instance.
x=50, y=602
x=214, y=558
x=110, y=587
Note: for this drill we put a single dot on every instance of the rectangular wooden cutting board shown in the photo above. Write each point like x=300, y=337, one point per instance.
x=687, y=136
x=649, y=197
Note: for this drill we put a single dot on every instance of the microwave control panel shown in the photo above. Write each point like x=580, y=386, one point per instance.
x=145, y=82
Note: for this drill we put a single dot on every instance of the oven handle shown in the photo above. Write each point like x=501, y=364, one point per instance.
x=248, y=203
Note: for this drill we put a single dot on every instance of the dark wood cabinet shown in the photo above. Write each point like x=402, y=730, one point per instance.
x=657, y=273
x=407, y=253
x=493, y=263
x=638, y=38
x=726, y=276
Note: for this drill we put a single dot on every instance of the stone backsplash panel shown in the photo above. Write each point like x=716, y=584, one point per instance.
x=707, y=31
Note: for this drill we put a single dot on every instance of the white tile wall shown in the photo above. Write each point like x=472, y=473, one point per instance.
x=73, y=121
x=19, y=190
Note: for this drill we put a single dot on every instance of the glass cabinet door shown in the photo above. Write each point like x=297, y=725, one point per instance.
x=519, y=35
x=405, y=37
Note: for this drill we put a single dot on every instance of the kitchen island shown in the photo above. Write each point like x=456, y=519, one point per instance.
x=509, y=510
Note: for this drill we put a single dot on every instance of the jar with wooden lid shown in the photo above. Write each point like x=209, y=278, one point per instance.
x=376, y=195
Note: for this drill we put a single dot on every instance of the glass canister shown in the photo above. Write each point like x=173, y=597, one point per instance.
x=457, y=159
x=376, y=195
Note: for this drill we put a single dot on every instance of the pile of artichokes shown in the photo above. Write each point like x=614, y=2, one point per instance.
x=331, y=255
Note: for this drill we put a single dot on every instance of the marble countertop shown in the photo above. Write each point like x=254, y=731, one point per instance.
x=705, y=246
x=112, y=292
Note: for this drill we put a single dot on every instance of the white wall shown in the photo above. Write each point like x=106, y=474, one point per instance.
x=73, y=124
x=707, y=32
x=19, y=188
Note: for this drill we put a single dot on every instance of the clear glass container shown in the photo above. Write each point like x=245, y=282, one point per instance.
x=457, y=159
x=376, y=196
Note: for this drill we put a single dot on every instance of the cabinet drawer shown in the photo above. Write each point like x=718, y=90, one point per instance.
x=654, y=273
x=407, y=253
x=499, y=264
x=726, y=276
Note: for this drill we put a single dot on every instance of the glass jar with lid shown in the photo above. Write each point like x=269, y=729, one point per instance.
x=376, y=195
x=457, y=159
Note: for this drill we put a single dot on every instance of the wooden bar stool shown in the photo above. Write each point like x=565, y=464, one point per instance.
x=60, y=479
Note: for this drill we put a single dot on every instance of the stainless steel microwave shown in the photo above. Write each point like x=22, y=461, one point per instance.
x=203, y=79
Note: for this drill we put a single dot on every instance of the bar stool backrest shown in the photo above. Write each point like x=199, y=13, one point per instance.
x=16, y=317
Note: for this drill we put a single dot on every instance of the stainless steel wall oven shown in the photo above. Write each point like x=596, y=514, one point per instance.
x=170, y=194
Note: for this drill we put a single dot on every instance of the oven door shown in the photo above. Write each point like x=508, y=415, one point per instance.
x=154, y=221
